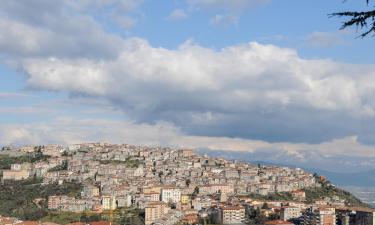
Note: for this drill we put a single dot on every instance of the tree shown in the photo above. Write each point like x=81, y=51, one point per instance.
x=360, y=19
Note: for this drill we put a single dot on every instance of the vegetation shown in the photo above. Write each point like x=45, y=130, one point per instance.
x=329, y=190
x=256, y=217
x=18, y=198
x=129, y=162
x=279, y=196
x=362, y=20
x=6, y=161
x=28, y=200
x=63, y=166
x=126, y=216
x=70, y=217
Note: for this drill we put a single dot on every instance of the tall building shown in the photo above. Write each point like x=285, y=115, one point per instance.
x=90, y=191
x=109, y=203
x=154, y=211
x=320, y=216
x=278, y=222
x=233, y=214
x=55, y=202
x=289, y=212
x=171, y=195
x=365, y=217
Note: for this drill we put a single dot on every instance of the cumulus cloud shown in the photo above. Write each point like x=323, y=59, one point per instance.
x=240, y=87
x=35, y=28
x=206, y=98
x=177, y=14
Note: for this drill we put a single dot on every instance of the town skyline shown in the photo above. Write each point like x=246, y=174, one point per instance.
x=238, y=76
x=90, y=183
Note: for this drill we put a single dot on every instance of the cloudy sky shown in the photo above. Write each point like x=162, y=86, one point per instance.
x=273, y=79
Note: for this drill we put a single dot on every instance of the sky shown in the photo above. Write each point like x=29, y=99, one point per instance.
x=277, y=80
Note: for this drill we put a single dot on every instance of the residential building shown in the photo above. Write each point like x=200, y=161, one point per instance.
x=171, y=194
x=154, y=211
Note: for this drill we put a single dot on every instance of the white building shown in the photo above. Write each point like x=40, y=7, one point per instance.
x=171, y=195
x=289, y=212
x=233, y=214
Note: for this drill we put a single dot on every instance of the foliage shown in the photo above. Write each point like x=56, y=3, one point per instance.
x=129, y=162
x=328, y=190
x=16, y=197
x=256, y=217
x=6, y=161
x=62, y=217
x=279, y=196
x=63, y=166
x=129, y=216
x=362, y=20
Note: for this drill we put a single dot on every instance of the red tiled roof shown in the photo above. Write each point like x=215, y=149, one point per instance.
x=278, y=222
x=101, y=223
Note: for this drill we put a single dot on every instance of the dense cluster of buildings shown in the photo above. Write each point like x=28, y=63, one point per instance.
x=176, y=186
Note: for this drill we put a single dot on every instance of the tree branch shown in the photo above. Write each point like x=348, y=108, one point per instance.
x=365, y=19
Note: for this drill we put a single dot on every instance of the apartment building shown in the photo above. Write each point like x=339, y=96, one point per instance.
x=365, y=217
x=232, y=214
x=154, y=211
x=171, y=195
x=109, y=203
x=289, y=212
x=320, y=216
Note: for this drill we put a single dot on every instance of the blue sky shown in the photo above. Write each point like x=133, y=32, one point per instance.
x=266, y=77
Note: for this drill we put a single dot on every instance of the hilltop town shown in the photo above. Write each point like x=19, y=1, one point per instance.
x=128, y=184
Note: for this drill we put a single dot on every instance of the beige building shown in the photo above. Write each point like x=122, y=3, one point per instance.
x=289, y=212
x=90, y=191
x=56, y=202
x=16, y=175
x=321, y=216
x=18, y=172
x=152, y=196
x=233, y=214
x=108, y=203
x=216, y=188
x=154, y=211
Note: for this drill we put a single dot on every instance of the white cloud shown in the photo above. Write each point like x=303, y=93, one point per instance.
x=240, y=87
x=177, y=14
x=237, y=5
x=240, y=77
x=228, y=12
x=63, y=28
x=88, y=40
x=325, y=39
x=224, y=20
